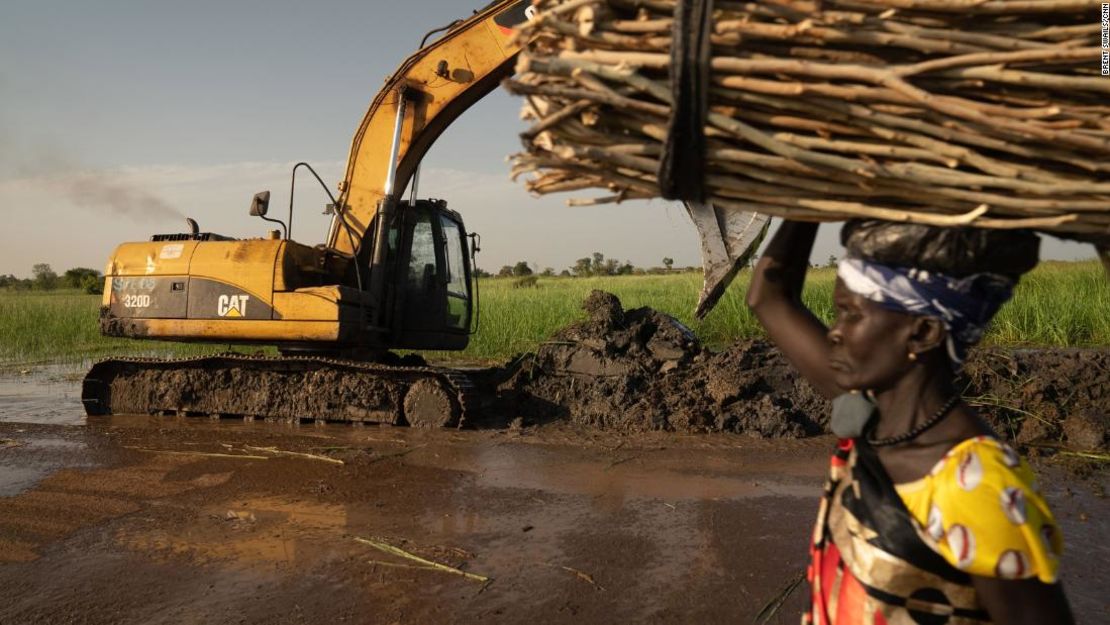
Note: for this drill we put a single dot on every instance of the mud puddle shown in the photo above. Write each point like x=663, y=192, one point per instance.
x=570, y=525
x=48, y=394
x=165, y=520
x=654, y=468
x=30, y=453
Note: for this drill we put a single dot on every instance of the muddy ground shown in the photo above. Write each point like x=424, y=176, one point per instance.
x=624, y=474
x=159, y=520
x=621, y=371
x=127, y=520
x=641, y=370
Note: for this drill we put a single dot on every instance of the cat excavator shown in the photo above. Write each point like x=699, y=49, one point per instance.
x=393, y=274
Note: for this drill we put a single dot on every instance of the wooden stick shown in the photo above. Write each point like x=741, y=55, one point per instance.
x=557, y=117
x=978, y=6
x=427, y=564
x=894, y=109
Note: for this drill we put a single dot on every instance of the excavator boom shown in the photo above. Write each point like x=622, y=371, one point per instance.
x=430, y=90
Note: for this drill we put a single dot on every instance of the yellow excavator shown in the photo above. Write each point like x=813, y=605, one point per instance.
x=392, y=274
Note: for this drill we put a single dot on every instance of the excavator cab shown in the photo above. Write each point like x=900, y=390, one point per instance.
x=432, y=307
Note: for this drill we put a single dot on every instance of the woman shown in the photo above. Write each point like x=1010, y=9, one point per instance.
x=927, y=516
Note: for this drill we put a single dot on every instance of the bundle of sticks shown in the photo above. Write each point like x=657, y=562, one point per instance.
x=991, y=113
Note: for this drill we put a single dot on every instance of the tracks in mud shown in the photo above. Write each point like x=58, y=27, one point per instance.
x=281, y=388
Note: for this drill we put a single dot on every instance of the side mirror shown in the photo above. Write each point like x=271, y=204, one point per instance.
x=260, y=204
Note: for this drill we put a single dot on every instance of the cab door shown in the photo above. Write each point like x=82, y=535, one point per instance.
x=457, y=274
x=433, y=297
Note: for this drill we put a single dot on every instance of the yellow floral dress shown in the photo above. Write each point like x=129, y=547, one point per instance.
x=980, y=509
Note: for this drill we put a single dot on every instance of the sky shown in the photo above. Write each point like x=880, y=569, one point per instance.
x=118, y=119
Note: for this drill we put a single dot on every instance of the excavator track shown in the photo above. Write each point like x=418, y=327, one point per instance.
x=283, y=388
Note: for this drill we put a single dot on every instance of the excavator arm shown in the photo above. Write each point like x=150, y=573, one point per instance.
x=430, y=89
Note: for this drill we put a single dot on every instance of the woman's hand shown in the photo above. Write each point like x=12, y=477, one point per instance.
x=775, y=296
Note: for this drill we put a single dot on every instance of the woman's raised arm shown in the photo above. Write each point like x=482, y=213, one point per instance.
x=775, y=296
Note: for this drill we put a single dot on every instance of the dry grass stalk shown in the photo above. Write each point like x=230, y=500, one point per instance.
x=423, y=563
x=295, y=454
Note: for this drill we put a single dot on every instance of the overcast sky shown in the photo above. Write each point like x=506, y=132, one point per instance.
x=118, y=119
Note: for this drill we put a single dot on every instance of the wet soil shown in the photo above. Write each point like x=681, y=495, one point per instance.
x=44, y=394
x=623, y=371
x=162, y=520
x=176, y=520
x=625, y=474
x=641, y=370
x=134, y=520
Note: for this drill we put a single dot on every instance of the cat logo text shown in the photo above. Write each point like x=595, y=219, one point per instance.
x=232, y=305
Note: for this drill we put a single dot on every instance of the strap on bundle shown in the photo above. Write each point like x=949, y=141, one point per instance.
x=682, y=167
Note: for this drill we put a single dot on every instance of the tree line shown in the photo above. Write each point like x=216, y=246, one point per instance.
x=598, y=265
x=44, y=278
x=594, y=265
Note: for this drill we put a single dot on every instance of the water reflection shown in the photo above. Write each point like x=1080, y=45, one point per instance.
x=49, y=394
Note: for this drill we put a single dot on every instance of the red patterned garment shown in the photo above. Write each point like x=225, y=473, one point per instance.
x=871, y=562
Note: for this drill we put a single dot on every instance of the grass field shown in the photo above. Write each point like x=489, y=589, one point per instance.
x=61, y=326
x=1058, y=304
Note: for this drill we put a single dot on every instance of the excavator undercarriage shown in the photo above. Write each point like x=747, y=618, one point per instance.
x=293, y=389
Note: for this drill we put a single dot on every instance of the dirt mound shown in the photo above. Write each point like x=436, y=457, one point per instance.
x=1043, y=395
x=612, y=342
x=642, y=370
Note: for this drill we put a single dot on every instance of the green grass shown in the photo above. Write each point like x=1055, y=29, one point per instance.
x=1058, y=304
x=61, y=326
x=1064, y=304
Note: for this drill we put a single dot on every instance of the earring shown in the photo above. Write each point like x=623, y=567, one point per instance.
x=913, y=356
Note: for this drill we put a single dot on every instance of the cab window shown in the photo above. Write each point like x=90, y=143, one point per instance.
x=458, y=293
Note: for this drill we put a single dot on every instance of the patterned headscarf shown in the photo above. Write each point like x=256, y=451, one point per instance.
x=965, y=305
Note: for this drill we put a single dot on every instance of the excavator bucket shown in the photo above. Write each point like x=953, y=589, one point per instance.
x=729, y=239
